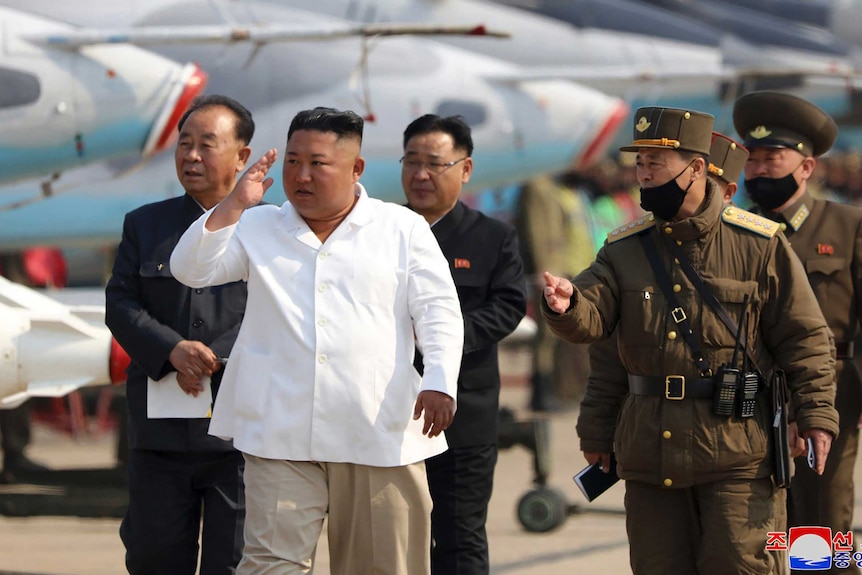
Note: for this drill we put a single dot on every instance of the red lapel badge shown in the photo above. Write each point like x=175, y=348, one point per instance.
x=825, y=249
x=463, y=264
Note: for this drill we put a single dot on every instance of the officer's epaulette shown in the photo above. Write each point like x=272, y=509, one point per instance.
x=752, y=222
x=631, y=228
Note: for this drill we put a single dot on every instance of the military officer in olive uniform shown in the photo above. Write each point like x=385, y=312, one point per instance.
x=699, y=496
x=608, y=383
x=785, y=135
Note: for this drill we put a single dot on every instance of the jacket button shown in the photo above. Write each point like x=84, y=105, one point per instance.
x=198, y=323
x=668, y=230
x=199, y=291
x=671, y=335
x=668, y=482
x=677, y=288
x=665, y=434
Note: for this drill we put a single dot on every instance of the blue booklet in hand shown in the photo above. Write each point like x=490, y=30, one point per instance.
x=592, y=481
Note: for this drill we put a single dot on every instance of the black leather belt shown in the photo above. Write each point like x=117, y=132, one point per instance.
x=674, y=387
x=844, y=349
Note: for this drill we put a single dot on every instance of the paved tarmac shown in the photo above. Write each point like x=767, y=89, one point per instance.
x=587, y=543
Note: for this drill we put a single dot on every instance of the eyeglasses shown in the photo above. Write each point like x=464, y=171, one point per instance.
x=414, y=165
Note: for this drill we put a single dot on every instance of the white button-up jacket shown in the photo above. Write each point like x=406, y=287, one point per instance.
x=322, y=366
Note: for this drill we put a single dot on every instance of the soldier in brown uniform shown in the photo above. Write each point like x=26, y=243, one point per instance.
x=699, y=497
x=785, y=134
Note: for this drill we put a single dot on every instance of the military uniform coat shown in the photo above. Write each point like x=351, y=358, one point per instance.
x=827, y=237
x=149, y=312
x=681, y=443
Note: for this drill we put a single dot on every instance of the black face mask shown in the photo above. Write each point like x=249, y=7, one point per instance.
x=771, y=193
x=665, y=200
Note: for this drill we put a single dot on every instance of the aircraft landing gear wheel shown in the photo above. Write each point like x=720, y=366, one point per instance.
x=542, y=510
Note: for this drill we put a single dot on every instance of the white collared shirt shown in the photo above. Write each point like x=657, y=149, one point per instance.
x=322, y=366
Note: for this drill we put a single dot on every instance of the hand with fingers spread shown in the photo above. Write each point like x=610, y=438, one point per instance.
x=558, y=293
x=247, y=193
x=439, y=411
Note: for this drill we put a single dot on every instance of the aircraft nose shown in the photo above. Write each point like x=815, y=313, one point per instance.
x=187, y=85
x=584, y=119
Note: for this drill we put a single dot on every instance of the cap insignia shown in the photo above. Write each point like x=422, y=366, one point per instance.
x=759, y=132
x=642, y=124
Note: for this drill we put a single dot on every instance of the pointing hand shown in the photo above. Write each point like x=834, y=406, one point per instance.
x=558, y=293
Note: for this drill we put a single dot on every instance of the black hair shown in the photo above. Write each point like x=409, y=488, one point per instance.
x=452, y=125
x=342, y=123
x=244, y=125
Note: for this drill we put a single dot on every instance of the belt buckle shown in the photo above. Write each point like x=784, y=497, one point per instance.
x=675, y=381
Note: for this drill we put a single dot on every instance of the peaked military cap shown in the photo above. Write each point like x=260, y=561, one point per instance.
x=672, y=129
x=726, y=158
x=777, y=120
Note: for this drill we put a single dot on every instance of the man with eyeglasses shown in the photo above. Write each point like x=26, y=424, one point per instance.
x=486, y=265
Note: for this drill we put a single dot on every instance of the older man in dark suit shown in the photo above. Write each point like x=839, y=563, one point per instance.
x=179, y=336
x=485, y=262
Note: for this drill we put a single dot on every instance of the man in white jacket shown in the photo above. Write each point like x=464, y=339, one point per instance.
x=320, y=393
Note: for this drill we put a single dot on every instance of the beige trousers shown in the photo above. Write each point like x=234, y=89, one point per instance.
x=379, y=518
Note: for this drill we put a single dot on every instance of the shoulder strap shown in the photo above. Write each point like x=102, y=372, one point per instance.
x=711, y=300
x=677, y=313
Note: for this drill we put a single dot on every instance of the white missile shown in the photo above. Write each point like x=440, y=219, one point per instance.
x=48, y=349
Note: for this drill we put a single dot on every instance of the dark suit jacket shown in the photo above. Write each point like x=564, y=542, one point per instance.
x=149, y=312
x=486, y=264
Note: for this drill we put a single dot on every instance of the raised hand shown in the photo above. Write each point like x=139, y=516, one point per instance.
x=253, y=184
x=247, y=192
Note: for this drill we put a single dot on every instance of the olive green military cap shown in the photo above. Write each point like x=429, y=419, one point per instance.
x=726, y=158
x=778, y=120
x=672, y=129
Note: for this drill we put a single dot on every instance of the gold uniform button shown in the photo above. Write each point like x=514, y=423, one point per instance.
x=679, y=242
x=668, y=482
x=668, y=230
x=671, y=335
x=676, y=261
x=782, y=226
x=665, y=434
x=677, y=288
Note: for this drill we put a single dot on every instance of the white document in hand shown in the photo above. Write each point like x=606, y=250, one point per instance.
x=166, y=399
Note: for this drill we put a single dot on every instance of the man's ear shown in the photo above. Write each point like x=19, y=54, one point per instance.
x=358, y=168
x=466, y=170
x=698, y=168
x=242, y=158
x=730, y=191
x=808, y=167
